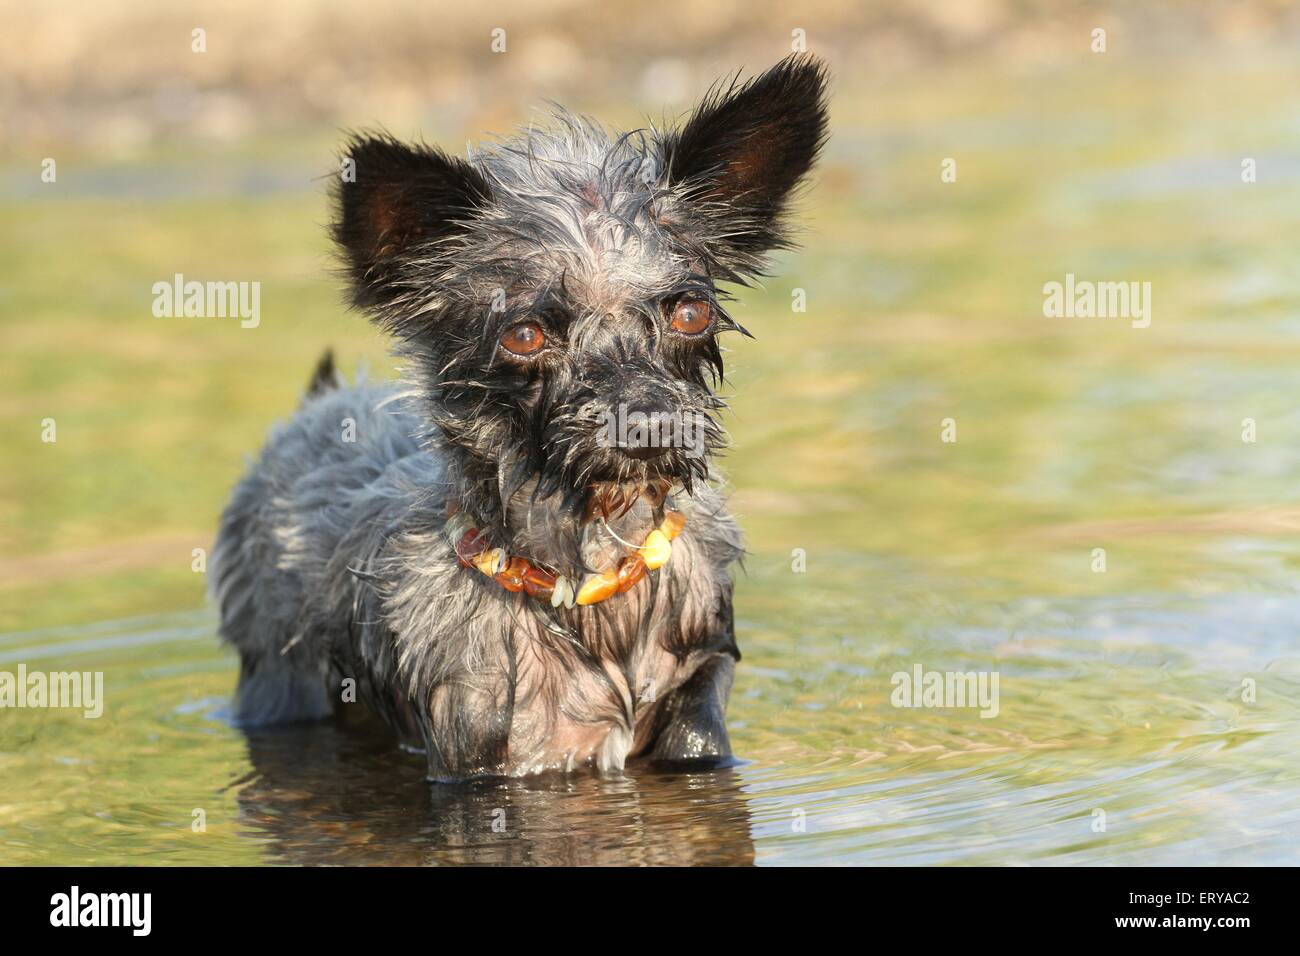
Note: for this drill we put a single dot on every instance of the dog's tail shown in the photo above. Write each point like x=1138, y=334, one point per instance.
x=325, y=378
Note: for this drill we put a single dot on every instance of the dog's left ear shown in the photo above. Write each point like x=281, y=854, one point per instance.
x=746, y=147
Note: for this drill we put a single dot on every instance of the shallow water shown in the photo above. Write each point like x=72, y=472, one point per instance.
x=1148, y=713
x=1128, y=706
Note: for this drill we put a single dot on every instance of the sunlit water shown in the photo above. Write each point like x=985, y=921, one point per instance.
x=1149, y=696
x=1131, y=708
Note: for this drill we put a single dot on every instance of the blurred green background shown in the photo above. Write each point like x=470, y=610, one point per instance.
x=924, y=302
x=924, y=297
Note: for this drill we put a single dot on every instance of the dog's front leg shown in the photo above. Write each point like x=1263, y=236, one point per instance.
x=690, y=724
x=467, y=731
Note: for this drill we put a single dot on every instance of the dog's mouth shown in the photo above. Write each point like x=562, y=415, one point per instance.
x=638, y=465
x=613, y=499
x=617, y=454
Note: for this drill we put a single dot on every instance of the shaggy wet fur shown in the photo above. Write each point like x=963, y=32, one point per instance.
x=332, y=569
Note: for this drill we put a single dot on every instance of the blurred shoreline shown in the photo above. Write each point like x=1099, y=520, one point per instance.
x=124, y=78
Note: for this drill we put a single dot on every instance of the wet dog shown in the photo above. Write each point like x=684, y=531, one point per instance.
x=519, y=557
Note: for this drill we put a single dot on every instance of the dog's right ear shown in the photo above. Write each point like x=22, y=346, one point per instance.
x=393, y=202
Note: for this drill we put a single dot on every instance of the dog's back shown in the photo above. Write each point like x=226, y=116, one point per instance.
x=346, y=451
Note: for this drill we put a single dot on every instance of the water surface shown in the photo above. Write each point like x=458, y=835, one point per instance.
x=1148, y=711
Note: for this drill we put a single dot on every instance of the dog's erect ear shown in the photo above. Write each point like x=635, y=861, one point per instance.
x=747, y=146
x=392, y=201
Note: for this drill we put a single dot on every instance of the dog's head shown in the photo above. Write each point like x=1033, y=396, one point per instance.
x=557, y=297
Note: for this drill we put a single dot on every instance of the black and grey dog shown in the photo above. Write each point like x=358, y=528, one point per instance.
x=477, y=554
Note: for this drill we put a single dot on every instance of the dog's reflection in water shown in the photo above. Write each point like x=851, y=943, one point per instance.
x=335, y=795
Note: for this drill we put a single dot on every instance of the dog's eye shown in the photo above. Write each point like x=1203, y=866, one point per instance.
x=691, y=316
x=525, y=339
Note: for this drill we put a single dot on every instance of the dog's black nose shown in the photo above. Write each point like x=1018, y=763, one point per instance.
x=644, y=452
x=646, y=430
